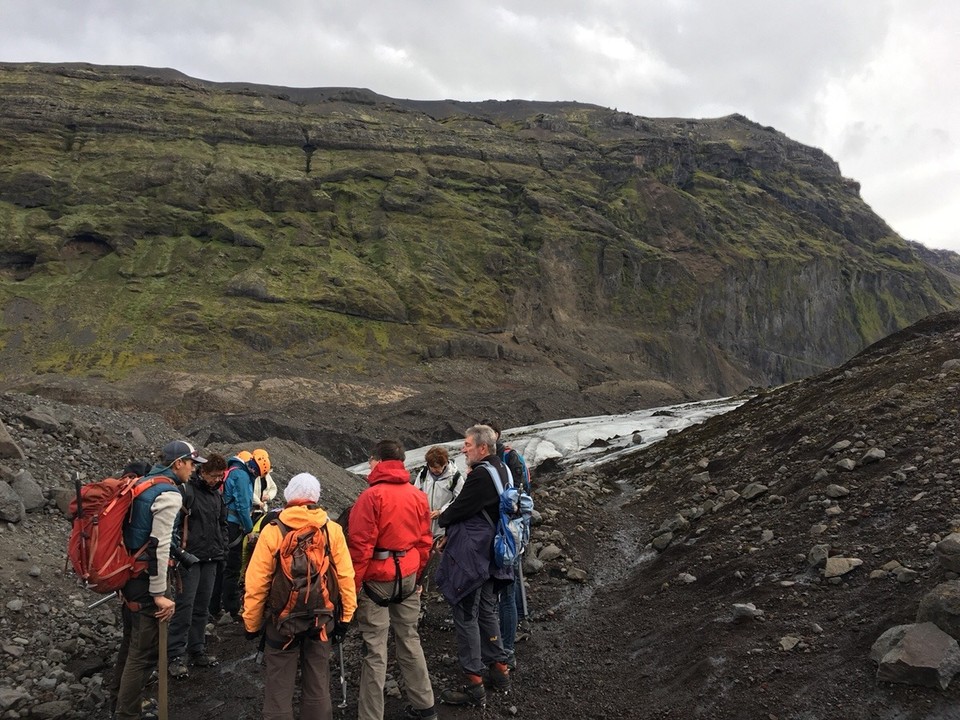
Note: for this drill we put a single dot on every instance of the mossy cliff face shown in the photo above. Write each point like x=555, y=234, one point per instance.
x=151, y=220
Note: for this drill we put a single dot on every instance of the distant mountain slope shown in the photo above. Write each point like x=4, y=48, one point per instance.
x=153, y=221
x=858, y=463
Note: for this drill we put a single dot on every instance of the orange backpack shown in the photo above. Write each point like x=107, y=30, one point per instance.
x=96, y=549
x=304, y=595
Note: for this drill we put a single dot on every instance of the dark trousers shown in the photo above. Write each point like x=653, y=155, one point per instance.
x=476, y=622
x=141, y=657
x=511, y=609
x=216, y=597
x=281, y=677
x=231, y=572
x=187, y=628
x=114, y=689
x=509, y=617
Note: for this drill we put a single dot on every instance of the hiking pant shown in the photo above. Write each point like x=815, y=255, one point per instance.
x=231, y=572
x=190, y=619
x=509, y=617
x=375, y=623
x=216, y=598
x=477, y=625
x=280, y=678
x=141, y=657
x=511, y=610
x=114, y=689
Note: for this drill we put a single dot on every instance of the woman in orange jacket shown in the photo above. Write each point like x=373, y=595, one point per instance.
x=284, y=647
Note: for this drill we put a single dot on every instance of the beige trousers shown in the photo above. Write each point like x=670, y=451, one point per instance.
x=375, y=622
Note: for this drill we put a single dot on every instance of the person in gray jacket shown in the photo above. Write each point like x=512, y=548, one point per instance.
x=441, y=482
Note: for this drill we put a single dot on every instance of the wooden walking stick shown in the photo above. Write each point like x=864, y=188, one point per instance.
x=162, y=672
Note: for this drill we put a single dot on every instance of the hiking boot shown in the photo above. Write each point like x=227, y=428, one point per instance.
x=499, y=677
x=149, y=709
x=411, y=713
x=469, y=694
x=177, y=668
x=203, y=660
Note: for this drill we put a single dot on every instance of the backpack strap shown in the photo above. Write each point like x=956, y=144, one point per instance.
x=334, y=581
x=189, y=495
x=495, y=476
x=454, y=480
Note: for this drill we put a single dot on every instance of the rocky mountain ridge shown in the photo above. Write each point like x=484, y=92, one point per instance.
x=223, y=248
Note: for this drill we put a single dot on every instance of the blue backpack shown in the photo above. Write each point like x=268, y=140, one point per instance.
x=513, y=525
x=525, y=480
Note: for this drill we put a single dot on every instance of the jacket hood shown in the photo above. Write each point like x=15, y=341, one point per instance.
x=391, y=471
x=296, y=516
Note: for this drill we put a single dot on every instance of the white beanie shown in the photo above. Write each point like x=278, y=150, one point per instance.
x=302, y=486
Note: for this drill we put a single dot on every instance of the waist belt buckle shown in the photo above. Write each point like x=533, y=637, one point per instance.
x=385, y=554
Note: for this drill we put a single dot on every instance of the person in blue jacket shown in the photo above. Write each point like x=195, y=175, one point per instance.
x=238, y=499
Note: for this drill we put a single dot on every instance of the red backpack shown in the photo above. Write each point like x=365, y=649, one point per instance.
x=96, y=548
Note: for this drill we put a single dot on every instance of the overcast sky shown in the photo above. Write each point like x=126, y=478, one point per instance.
x=875, y=83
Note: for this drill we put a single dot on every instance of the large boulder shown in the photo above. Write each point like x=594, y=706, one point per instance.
x=948, y=552
x=11, y=506
x=8, y=446
x=941, y=606
x=29, y=490
x=41, y=420
x=837, y=566
x=920, y=654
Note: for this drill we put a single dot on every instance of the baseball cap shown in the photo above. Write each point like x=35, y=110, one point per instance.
x=178, y=449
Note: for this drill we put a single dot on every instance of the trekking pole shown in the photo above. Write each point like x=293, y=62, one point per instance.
x=83, y=540
x=162, y=673
x=258, y=658
x=523, y=590
x=101, y=601
x=343, y=678
x=76, y=486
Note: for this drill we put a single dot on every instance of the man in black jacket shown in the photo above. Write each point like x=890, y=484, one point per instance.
x=468, y=577
x=204, y=527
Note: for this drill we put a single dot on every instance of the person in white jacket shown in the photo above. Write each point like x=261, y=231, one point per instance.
x=264, y=490
x=441, y=482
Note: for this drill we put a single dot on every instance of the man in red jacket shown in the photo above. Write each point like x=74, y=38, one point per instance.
x=390, y=538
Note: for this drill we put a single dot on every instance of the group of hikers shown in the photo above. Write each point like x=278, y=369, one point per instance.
x=297, y=580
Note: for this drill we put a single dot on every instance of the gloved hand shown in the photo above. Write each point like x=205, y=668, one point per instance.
x=252, y=635
x=339, y=632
